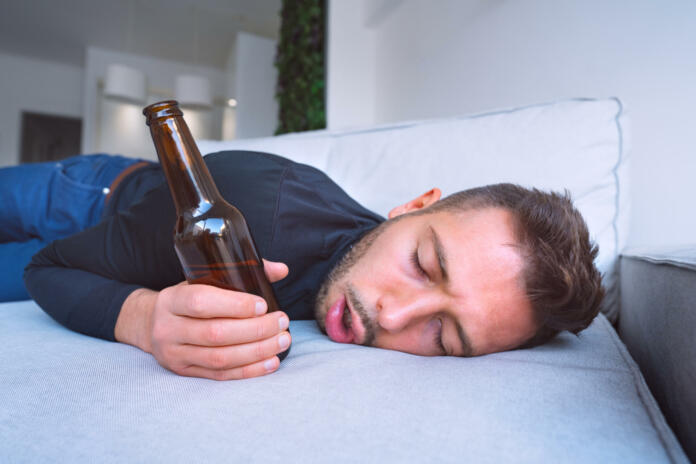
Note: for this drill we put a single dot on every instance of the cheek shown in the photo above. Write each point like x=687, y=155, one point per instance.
x=522, y=326
x=505, y=331
x=416, y=339
x=375, y=267
x=382, y=278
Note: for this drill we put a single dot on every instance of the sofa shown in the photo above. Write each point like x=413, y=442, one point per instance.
x=620, y=391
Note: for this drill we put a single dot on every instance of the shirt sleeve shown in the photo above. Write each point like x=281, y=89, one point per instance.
x=82, y=280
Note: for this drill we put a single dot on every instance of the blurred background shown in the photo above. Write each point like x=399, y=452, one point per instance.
x=75, y=74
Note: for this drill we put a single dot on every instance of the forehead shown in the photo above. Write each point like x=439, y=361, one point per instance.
x=481, y=240
x=490, y=226
x=486, y=273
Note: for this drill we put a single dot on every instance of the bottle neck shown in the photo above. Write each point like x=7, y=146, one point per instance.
x=189, y=179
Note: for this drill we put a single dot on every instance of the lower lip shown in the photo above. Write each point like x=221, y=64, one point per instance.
x=334, y=323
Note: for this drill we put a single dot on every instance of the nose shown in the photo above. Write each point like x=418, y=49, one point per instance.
x=396, y=312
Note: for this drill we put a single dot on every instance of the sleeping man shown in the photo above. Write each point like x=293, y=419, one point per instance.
x=484, y=270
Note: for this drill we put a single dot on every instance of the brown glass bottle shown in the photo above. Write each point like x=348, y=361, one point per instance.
x=211, y=237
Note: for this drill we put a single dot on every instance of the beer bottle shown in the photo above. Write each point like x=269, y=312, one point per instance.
x=211, y=237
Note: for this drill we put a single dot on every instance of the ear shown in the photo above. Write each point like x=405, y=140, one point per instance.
x=420, y=202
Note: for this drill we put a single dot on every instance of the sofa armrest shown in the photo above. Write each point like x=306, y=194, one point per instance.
x=657, y=322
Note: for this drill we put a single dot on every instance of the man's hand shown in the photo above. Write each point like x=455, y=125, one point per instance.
x=205, y=331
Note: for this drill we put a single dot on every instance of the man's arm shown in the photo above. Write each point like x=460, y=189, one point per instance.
x=134, y=320
x=124, y=272
x=204, y=331
x=82, y=280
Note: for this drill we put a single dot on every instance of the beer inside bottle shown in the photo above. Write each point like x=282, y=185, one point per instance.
x=211, y=237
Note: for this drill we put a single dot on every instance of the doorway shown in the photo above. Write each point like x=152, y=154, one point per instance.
x=47, y=137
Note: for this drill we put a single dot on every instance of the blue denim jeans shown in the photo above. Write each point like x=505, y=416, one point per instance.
x=42, y=202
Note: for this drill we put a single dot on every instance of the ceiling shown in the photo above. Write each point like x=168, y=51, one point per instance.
x=199, y=32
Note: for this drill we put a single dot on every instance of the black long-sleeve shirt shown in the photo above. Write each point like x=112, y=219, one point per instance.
x=295, y=212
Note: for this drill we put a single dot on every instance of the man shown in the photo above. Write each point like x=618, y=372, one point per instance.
x=482, y=271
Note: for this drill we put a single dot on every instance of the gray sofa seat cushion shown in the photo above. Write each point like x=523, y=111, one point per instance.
x=68, y=398
x=683, y=256
x=658, y=324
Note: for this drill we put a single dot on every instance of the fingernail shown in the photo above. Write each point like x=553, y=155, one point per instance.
x=269, y=364
x=283, y=323
x=283, y=341
x=260, y=307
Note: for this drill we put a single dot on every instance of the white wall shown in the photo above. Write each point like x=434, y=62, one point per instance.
x=34, y=85
x=254, y=82
x=351, y=65
x=452, y=57
x=115, y=127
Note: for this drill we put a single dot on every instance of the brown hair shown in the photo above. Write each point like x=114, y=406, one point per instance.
x=561, y=280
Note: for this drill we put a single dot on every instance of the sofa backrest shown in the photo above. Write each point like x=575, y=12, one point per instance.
x=579, y=145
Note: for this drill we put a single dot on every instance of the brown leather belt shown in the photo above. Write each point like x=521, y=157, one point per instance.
x=123, y=175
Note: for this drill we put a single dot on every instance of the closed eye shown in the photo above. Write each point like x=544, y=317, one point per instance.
x=416, y=264
x=438, y=339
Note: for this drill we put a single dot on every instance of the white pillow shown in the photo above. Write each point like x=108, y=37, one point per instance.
x=579, y=145
x=310, y=148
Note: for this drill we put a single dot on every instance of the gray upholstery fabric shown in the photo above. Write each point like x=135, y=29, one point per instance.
x=65, y=397
x=679, y=256
x=658, y=293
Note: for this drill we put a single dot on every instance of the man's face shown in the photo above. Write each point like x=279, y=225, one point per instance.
x=422, y=281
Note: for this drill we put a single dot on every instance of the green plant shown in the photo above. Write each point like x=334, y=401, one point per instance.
x=300, y=64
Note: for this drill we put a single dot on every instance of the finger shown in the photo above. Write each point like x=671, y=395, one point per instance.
x=256, y=369
x=225, y=331
x=205, y=301
x=229, y=357
x=275, y=271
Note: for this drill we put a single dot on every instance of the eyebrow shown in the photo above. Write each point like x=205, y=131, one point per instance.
x=440, y=253
x=442, y=262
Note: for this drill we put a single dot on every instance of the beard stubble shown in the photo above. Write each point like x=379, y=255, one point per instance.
x=349, y=260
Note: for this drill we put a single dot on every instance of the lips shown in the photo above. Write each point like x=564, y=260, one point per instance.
x=335, y=327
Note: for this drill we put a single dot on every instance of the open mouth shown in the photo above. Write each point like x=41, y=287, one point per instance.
x=339, y=322
x=347, y=318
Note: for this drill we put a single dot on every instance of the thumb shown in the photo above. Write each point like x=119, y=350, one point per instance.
x=275, y=271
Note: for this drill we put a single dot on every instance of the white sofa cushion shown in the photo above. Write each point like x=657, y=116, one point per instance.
x=579, y=145
x=310, y=148
x=70, y=398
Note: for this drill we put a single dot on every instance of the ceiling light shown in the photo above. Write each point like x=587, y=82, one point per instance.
x=193, y=91
x=232, y=102
x=125, y=83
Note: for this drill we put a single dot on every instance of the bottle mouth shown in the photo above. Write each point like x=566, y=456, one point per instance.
x=163, y=109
